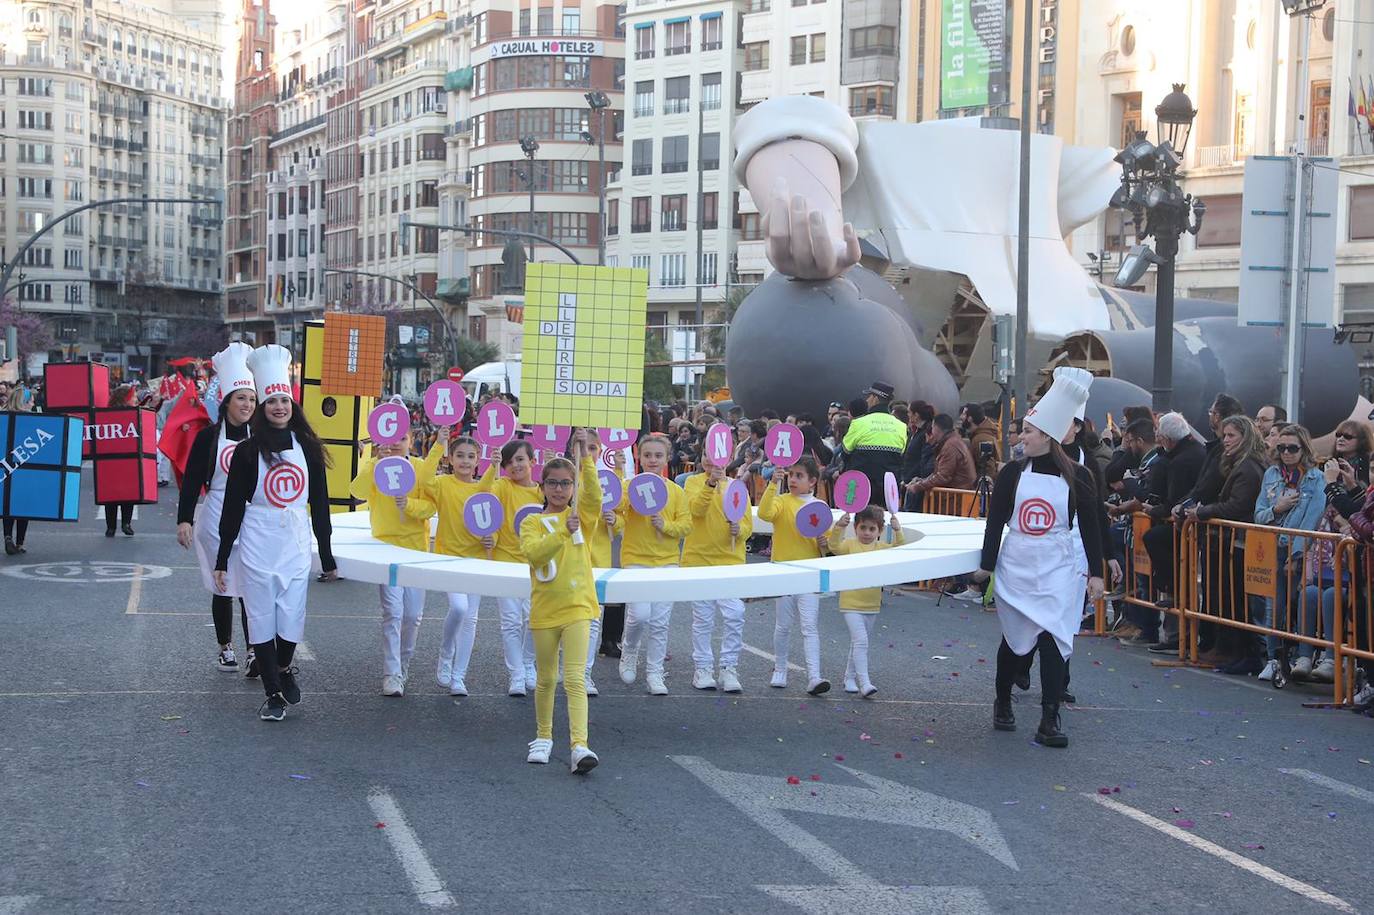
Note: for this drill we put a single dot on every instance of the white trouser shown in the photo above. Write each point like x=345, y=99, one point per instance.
x=460, y=631
x=517, y=644
x=402, y=610
x=704, y=625
x=788, y=610
x=860, y=629
x=653, y=617
x=594, y=638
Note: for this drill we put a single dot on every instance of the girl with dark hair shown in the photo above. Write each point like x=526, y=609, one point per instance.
x=1049, y=552
x=207, y=469
x=516, y=489
x=276, y=477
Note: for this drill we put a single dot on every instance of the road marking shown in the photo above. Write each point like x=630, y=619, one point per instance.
x=135, y=591
x=1234, y=681
x=1331, y=783
x=13, y=905
x=769, y=656
x=908, y=900
x=1305, y=890
x=303, y=652
x=80, y=572
x=429, y=889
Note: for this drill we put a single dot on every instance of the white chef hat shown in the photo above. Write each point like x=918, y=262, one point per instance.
x=271, y=368
x=1055, y=412
x=231, y=367
x=1083, y=377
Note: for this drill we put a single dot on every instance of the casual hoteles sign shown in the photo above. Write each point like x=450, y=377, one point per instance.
x=562, y=47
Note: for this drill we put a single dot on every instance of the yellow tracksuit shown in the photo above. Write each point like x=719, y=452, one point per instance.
x=449, y=494
x=643, y=544
x=864, y=600
x=389, y=525
x=513, y=498
x=781, y=512
x=708, y=542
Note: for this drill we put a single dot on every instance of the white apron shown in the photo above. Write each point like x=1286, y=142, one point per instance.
x=205, y=533
x=272, y=554
x=1042, y=574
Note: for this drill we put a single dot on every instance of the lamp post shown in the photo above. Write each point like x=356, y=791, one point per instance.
x=529, y=146
x=1150, y=191
x=599, y=102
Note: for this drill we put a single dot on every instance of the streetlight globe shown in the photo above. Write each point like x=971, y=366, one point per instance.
x=1174, y=118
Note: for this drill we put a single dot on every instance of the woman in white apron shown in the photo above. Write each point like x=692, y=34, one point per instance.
x=275, y=492
x=207, y=468
x=1042, y=566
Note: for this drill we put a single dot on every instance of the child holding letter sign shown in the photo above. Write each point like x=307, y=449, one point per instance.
x=860, y=607
x=716, y=540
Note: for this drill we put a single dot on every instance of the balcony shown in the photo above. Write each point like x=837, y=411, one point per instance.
x=302, y=127
x=433, y=24
x=207, y=253
x=1222, y=156
x=204, y=222
x=457, y=80
x=454, y=291
x=873, y=110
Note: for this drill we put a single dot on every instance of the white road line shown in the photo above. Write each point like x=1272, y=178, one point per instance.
x=1306, y=890
x=429, y=889
x=13, y=905
x=303, y=652
x=1233, y=681
x=769, y=656
x=1337, y=786
x=135, y=591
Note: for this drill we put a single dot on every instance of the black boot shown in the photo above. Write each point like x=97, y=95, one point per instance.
x=128, y=529
x=10, y=548
x=1003, y=719
x=1048, y=734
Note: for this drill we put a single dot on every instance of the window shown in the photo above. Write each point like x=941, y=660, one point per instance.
x=674, y=213
x=1222, y=226
x=571, y=176
x=644, y=99
x=640, y=262
x=873, y=41
x=673, y=271
x=35, y=120
x=572, y=21
x=568, y=123
x=1361, y=212
x=674, y=154
x=642, y=157
x=544, y=22
x=73, y=294
x=710, y=91
x=33, y=86
x=75, y=191
x=72, y=258
x=639, y=214
x=677, y=37
x=524, y=22
x=644, y=42
x=755, y=56
x=750, y=228
x=706, y=272
x=613, y=217
x=798, y=49
x=710, y=33
x=818, y=48
x=710, y=206
x=865, y=100
x=571, y=228
x=677, y=91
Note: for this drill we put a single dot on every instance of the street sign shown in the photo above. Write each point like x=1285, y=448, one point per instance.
x=1266, y=250
x=455, y=374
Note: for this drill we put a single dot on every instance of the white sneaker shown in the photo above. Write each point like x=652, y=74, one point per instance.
x=818, y=687
x=531, y=679
x=226, y=660
x=591, y=686
x=869, y=691
x=517, y=686
x=1271, y=669
x=393, y=685
x=655, y=683
x=445, y=671
x=457, y=687
x=779, y=679
x=540, y=748
x=729, y=680
x=1302, y=669
x=850, y=685
x=970, y=594
x=629, y=665
x=1364, y=696
x=583, y=760
x=1325, y=671
x=702, y=679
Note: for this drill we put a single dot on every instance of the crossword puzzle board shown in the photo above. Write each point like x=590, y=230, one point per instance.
x=583, y=362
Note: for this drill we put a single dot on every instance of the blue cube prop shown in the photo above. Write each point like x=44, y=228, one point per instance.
x=40, y=466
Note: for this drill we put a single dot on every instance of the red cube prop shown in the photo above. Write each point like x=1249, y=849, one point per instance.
x=70, y=387
x=123, y=451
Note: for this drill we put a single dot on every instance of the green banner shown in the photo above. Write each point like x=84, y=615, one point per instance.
x=973, y=54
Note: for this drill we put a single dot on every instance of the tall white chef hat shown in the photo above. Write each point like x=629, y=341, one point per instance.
x=1055, y=412
x=231, y=367
x=1083, y=377
x=271, y=368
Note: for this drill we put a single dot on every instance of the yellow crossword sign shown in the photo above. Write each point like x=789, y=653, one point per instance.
x=583, y=362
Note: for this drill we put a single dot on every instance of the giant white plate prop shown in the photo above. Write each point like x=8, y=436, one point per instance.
x=939, y=546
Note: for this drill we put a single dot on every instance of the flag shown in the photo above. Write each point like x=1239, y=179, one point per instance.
x=1351, y=106
x=1363, y=107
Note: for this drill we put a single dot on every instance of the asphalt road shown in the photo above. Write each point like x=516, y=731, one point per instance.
x=135, y=777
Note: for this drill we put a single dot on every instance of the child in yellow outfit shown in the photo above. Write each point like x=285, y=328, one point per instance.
x=516, y=489
x=779, y=506
x=562, y=601
x=450, y=493
x=400, y=521
x=599, y=540
x=714, y=540
x=860, y=607
x=651, y=542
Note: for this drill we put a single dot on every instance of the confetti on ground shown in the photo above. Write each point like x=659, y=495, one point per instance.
x=1363, y=762
x=1178, y=810
x=1334, y=749
x=380, y=825
x=303, y=778
x=839, y=758
x=1060, y=788
x=1011, y=803
x=1254, y=846
x=142, y=784
x=865, y=737
x=793, y=780
x=1331, y=815
x=1205, y=762
x=927, y=733
x=815, y=778
x=939, y=657
x=1184, y=824
x=896, y=756
x=171, y=717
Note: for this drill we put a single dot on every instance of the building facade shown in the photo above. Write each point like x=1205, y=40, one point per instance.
x=102, y=101
x=251, y=123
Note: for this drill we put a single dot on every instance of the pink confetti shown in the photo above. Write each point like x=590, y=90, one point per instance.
x=381, y=826
x=793, y=780
x=1254, y=846
x=1104, y=790
x=865, y=737
x=896, y=756
x=1205, y=762
x=839, y=758
x=1334, y=749
x=1184, y=824
x=982, y=660
x=815, y=778
x=928, y=733
x=1097, y=663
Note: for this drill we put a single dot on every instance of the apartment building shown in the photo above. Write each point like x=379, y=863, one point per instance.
x=251, y=123
x=103, y=100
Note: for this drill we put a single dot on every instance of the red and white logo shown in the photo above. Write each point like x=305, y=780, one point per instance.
x=225, y=456
x=1037, y=517
x=272, y=390
x=284, y=484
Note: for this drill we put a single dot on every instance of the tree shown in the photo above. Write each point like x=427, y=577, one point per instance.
x=716, y=336
x=472, y=353
x=658, y=380
x=35, y=335
x=198, y=338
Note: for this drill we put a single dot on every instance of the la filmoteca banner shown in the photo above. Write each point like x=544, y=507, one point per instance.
x=525, y=47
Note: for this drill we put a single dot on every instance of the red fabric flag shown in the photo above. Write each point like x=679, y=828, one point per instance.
x=179, y=432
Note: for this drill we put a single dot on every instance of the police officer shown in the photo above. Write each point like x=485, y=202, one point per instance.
x=876, y=440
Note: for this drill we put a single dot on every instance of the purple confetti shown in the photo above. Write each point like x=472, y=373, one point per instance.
x=143, y=784
x=1254, y=846
x=1184, y=824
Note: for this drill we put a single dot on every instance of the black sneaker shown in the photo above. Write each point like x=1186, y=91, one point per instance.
x=290, y=690
x=273, y=708
x=1049, y=734
x=610, y=650
x=10, y=548
x=109, y=532
x=1068, y=698
x=128, y=530
x=1003, y=718
x=252, y=672
x=1168, y=647
x=226, y=660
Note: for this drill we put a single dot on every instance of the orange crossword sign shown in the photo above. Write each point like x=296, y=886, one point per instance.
x=354, y=352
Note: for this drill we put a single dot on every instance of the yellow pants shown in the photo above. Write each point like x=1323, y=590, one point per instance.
x=573, y=638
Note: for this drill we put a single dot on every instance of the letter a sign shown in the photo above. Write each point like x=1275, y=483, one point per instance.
x=783, y=444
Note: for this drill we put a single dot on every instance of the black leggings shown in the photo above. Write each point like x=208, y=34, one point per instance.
x=222, y=609
x=1053, y=669
x=125, y=510
x=16, y=528
x=273, y=657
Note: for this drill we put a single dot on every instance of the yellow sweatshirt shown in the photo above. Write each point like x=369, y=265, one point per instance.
x=863, y=600
x=449, y=494
x=389, y=524
x=708, y=542
x=513, y=498
x=781, y=512
x=600, y=542
x=643, y=544
x=562, y=586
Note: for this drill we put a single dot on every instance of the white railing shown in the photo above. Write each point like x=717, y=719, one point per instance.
x=1221, y=156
